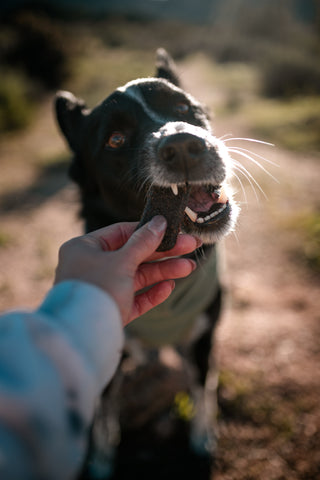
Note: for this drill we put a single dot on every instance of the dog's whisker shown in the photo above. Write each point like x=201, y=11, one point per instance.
x=197, y=254
x=242, y=186
x=248, y=157
x=252, y=181
x=257, y=155
x=200, y=257
x=128, y=175
x=140, y=179
x=226, y=135
x=234, y=233
x=249, y=140
x=140, y=184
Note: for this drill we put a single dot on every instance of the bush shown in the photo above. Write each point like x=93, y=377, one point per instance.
x=307, y=225
x=290, y=74
x=15, y=108
x=39, y=49
x=292, y=123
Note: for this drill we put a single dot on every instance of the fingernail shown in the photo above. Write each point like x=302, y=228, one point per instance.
x=199, y=241
x=193, y=263
x=158, y=224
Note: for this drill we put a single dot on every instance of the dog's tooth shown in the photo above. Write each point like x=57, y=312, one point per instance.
x=214, y=214
x=200, y=220
x=223, y=197
x=191, y=214
x=174, y=188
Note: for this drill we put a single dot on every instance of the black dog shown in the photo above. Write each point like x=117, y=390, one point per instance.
x=150, y=133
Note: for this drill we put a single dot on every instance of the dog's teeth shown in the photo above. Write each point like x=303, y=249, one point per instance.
x=212, y=215
x=191, y=214
x=174, y=188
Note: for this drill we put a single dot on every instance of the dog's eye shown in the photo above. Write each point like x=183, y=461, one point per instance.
x=116, y=140
x=182, y=108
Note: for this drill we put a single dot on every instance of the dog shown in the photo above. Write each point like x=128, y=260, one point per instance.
x=151, y=133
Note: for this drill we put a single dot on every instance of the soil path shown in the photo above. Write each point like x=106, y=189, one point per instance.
x=268, y=345
x=268, y=340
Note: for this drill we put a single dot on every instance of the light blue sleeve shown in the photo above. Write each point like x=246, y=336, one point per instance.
x=54, y=362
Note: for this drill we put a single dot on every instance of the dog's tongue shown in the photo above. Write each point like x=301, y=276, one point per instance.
x=162, y=201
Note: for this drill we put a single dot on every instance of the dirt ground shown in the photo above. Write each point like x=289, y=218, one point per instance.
x=267, y=343
x=268, y=340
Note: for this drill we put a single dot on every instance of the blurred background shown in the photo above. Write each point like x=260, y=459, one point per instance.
x=256, y=65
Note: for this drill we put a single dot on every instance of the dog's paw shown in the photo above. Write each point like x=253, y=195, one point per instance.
x=203, y=443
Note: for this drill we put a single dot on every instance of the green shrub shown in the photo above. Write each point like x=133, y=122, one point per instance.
x=40, y=49
x=309, y=227
x=304, y=229
x=293, y=123
x=15, y=108
x=5, y=239
x=288, y=74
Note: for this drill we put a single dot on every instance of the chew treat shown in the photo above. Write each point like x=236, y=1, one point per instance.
x=169, y=202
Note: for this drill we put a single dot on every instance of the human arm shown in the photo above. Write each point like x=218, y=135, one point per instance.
x=55, y=361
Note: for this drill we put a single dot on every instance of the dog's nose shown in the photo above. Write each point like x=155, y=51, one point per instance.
x=181, y=150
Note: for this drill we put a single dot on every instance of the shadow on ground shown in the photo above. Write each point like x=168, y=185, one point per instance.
x=49, y=181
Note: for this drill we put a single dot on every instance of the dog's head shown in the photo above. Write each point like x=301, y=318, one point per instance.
x=146, y=135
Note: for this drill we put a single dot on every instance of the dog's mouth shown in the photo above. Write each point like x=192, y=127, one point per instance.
x=203, y=210
x=206, y=204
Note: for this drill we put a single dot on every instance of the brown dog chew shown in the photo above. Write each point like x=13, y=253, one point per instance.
x=162, y=201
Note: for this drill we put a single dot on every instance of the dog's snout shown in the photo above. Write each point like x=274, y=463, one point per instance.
x=181, y=150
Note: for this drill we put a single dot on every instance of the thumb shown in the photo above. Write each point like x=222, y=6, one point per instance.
x=144, y=241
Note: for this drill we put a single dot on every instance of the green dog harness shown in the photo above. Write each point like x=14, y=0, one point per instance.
x=172, y=321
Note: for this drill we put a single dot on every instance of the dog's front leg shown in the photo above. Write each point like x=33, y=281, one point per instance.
x=203, y=428
x=203, y=433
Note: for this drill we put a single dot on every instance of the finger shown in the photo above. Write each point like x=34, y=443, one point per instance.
x=114, y=236
x=150, y=273
x=153, y=297
x=185, y=244
x=143, y=243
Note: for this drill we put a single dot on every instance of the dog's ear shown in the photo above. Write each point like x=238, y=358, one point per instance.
x=70, y=113
x=166, y=67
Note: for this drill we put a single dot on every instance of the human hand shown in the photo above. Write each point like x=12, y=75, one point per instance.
x=117, y=259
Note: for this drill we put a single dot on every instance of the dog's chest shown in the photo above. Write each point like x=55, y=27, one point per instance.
x=172, y=321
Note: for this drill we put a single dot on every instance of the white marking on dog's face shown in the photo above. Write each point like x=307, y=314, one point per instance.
x=171, y=128
x=133, y=91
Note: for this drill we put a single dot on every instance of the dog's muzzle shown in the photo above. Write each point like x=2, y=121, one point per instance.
x=187, y=170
